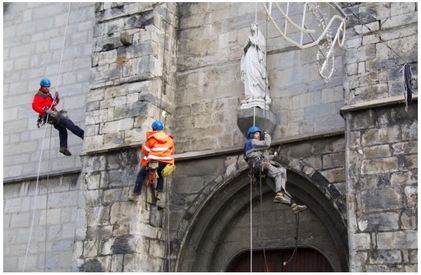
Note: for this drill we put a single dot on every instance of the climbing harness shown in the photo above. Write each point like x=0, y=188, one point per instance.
x=31, y=228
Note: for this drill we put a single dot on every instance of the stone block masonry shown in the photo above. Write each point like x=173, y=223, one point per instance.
x=132, y=65
x=384, y=41
x=57, y=216
x=385, y=176
x=209, y=87
x=140, y=59
x=33, y=41
x=381, y=147
x=133, y=84
x=120, y=235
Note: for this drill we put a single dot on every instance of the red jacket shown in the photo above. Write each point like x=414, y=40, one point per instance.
x=43, y=99
x=158, y=146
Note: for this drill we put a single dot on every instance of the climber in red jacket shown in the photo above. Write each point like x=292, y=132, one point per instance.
x=44, y=104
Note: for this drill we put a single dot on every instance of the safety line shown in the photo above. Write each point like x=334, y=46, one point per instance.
x=42, y=149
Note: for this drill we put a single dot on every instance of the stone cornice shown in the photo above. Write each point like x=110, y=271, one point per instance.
x=376, y=103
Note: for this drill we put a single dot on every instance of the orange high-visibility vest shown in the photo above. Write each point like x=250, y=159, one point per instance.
x=158, y=146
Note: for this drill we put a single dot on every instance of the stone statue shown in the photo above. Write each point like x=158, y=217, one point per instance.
x=253, y=71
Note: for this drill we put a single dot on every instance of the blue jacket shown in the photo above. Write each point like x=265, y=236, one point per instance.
x=254, y=148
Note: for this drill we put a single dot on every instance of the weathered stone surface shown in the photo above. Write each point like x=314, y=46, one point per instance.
x=381, y=136
x=334, y=175
x=362, y=241
x=333, y=160
x=379, y=221
x=376, y=166
x=380, y=199
x=126, y=38
x=408, y=220
x=411, y=194
x=122, y=212
x=380, y=151
x=413, y=256
x=397, y=240
x=404, y=148
x=389, y=257
x=92, y=265
x=123, y=245
x=403, y=178
x=117, y=263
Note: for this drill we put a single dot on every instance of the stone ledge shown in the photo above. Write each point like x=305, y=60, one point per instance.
x=60, y=173
x=236, y=150
x=213, y=153
x=376, y=103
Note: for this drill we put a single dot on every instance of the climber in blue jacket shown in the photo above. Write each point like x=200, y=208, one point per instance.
x=259, y=161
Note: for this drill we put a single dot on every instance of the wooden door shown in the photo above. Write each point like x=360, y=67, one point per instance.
x=305, y=260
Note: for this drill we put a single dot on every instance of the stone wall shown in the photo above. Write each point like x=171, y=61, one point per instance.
x=33, y=41
x=209, y=89
x=381, y=138
x=119, y=235
x=184, y=59
x=274, y=227
x=133, y=65
x=382, y=189
x=196, y=182
x=56, y=223
x=381, y=37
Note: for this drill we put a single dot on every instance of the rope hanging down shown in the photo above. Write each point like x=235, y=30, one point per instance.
x=251, y=223
x=31, y=228
x=297, y=224
x=261, y=221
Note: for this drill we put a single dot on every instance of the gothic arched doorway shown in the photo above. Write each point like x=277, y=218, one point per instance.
x=220, y=230
x=305, y=260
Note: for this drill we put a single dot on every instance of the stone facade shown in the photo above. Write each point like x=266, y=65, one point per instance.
x=58, y=208
x=133, y=68
x=33, y=43
x=209, y=89
x=349, y=146
x=381, y=149
x=217, y=188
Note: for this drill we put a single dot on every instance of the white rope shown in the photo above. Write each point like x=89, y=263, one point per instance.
x=64, y=44
x=31, y=228
x=254, y=115
x=255, y=14
x=251, y=225
x=35, y=202
x=168, y=227
x=46, y=199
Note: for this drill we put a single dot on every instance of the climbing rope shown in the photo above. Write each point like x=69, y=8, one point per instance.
x=46, y=199
x=297, y=224
x=35, y=202
x=251, y=223
x=261, y=220
x=64, y=44
x=31, y=228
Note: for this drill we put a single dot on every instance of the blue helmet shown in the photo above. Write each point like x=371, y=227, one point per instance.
x=252, y=130
x=157, y=125
x=45, y=82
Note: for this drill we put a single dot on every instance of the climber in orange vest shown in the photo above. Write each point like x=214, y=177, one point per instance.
x=159, y=147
